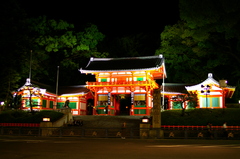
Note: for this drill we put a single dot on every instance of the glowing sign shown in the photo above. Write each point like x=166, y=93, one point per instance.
x=46, y=119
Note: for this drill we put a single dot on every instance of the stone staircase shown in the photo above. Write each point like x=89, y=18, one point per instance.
x=97, y=121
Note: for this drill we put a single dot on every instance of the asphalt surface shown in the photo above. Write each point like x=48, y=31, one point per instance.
x=12, y=147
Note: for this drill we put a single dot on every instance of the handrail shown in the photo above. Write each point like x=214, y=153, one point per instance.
x=196, y=127
x=20, y=124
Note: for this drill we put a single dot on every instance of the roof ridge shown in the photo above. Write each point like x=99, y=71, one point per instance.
x=121, y=58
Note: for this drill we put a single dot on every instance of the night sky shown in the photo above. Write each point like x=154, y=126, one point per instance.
x=113, y=18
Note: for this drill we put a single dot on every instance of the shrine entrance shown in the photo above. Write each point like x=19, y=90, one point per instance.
x=90, y=104
x=125, y=104
x=124, y=86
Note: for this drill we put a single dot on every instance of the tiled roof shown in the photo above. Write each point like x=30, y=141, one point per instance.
x=174, y=88
x=76, y=89
x=126, y=63
x=72, y=89
x=48, y=88
x=209, y=80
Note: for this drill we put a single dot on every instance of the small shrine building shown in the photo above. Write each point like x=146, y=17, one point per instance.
x=45, y=97
x=209, y=94
x=124, y=86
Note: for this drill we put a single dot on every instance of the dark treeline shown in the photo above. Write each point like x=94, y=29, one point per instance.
x=204, y=39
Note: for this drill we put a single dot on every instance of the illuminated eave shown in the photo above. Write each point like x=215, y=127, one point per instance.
x=50, y=94
x=155, y=71
x=171, y=93
x=72, y=94
x=214, y=87
x=126, y=70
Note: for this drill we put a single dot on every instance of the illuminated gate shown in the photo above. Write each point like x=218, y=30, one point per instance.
x=132, y=78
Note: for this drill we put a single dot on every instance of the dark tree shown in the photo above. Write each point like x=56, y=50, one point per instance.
x=12, y=41
x=186, y=99
x=207, y=39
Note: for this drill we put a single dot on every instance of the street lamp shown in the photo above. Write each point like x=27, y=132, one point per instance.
x=145, y=120
x=206, y=90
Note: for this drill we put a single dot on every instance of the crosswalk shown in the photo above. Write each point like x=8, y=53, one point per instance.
x=196, y=146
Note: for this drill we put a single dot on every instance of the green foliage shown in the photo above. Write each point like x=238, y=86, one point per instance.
x=181, y=99
x=214, y=15
x=215, y=24
x=59, y=38
x=179, y=50
x=53, y=43
x=19, y=116
x=205, y=40
x=63, y=46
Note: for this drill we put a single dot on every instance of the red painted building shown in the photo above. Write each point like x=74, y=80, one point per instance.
x=124, y=86
x=210, y=94
x=44, y=97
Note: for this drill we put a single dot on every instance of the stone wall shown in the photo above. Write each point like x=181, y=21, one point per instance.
x=48, y=126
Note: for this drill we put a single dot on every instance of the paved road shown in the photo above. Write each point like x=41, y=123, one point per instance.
x=71, y=148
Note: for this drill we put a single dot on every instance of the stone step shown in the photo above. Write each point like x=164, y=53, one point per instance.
x=108, y=121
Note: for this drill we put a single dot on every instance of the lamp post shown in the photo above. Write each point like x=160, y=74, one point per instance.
x=206, y=90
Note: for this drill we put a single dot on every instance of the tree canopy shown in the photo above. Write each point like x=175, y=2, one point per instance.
x=205, y=40
x=56, y=43
x=41, y=44
x=218, y=19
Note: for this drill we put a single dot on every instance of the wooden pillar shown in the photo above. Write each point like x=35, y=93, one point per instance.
x=132, y=102
x=147, y=106
x=223, y=98
x=109, y=104
x=95, y=103
x=79, y=105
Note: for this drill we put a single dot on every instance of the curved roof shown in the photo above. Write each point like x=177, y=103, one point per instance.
x=173, y=88
x=77, y=89
x=123, y=64
x=215, y=85
x=62, y=90
x=210, y=80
